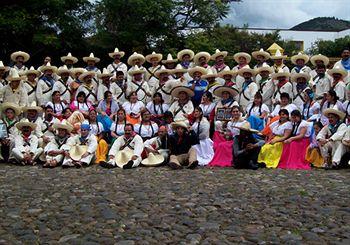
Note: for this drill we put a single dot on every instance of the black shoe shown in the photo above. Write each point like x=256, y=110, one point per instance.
x=174, y=166
x=65, y=166
x=193, y=165
x=128, y=165
x=330, y=167
x=252, y=165
x=105, y=165
x=261, y=165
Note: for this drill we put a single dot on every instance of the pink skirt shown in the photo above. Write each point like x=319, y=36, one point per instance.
x=293, y=155
x=222, y=152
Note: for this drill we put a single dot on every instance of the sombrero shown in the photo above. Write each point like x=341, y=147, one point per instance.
x=261, y=52
x=199, y=55
x=280, y=73
x=218, y=53
x=169, y=59
x=12, y=106
x=182, y=123
x=264, y=68
x=2, y=67
x=179, y=69
x=295, y=76
x=14, y=76
x=158, y=56
x=105, y=73
x=340, y=114
x=246, y=127
x=116, y=52
x=63, y=69
x=91, y=57
x=219, y=90
x=32, y=106
x=242, y=54
x=184, y=52
x=246, y=70
x=223, y=73
x=63, y=125
x=85, y=74
x=299, y=56
x=123, y=157
x=25, y=55
x=278, y=55
x=153, y=160
x=136, y=70
x=316, y=57
x=77, y=70
x=338, y=70
x=161, y=71
x=209, y=74
x=199, y=69
x=77, y=151
x=134, y=57
x=32, y=71
x=69, y=57
x=175, y=92
x=25, y=123
x=48, y=67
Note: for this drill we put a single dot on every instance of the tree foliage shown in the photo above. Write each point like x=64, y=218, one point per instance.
x=330, y=48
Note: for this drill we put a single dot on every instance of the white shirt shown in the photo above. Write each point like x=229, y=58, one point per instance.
x=255, y=111
x=278, y=129
x=207, y=109
x=146, y=131
x=118, y=128
x=157, y=109
x=289, y=108
x=57, y=107
x=311, y=109
x=133, y=107
x=304, y=124
x=96, y=128
x=231, y=126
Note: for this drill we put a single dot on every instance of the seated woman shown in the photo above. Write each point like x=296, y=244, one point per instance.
x=257, y=113
x=133, y=108
x=311, y=108
x=146, y=128
x=313, y=153
x=108, y=106
x=271, y=152
x=81, y=104
x=330, y=101
x=204, y=148
x=57, y=105
x=207, y=105
x=157, y=107
x=74, y=118
x=222, y=150
x=96, y=128
x=294, y=148
x=117, y=128
x=236, y=121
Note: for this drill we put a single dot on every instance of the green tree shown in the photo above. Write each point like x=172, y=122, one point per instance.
x=330, y=48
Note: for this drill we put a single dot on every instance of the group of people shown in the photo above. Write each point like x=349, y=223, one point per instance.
x=188, y=111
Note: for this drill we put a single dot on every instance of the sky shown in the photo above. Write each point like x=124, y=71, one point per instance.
x=284, y=13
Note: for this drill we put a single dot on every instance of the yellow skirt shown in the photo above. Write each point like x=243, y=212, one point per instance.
x=314, y=156
x=271, y=154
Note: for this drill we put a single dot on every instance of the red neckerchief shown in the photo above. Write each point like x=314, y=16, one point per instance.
x=280, y=84
x=241, y=66
x=218, y=67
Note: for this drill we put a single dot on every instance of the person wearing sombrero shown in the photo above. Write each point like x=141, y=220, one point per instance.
x=91, y=62
x=282, y=85
x=32, y=114
x=183, y=106
x=105, y=84
x=82, y=148
x=68, y=61
x=278, y=59
x=261, y=57
x=300, y=61
x=30, y=84
x=211, y=78
x=117, y=64
x=330, y=138
x=300, y=83
x=265, y=84
x=45, y=84
x=182, y=152
x=159, y=145
x=3, y=75
x=89, y=87
x=318, y=60
x=118, y=88
x=249, y=87
x=201, y=59
x=26, y=148
x=19, y=58
x=136, y=62
x=185, y=57
x=154, y=59
x=169, y=63
x=338, y=84
x=344, y=63
x=138, y=84
x=164, y=85
x=198, y=85
x=321, y=82
x=75, y=84
x=57, y=149
x=227, y=97
x=227, y=78
x=14, y=92
x=219, y=58
x=63, y=84
x=159, y=76
x=126, y=150
x=242, y=59
x=180, y=78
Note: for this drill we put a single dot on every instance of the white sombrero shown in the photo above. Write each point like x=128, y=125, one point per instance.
x=116, y=52
x=295, y=76
x=69, y=57
x=340, y=114
x=153, y=160
x=32, y=106
x=12, y=106
x=209, y=74
x=261, y=52
x=242, y=54
x=85, y=74
x=246, y=127
x=105, y=73
x=219, y=90
x=136, y=70
x=267, y=68
x=246, y=70
x=123, y=157
x=77, y=151
x=32, y=71
x=321, y=57
x=158, y=56
x=25, y=123
x=278, y=55
x=63, y=125
x=199, y=55
x=223, y=73
x=169, y=59
x=180, y=123
x=337, y=70
x=179, y=69
x=175, y=92
x=91, y=57
x=195, y=69
x=2, y=67
x=48, y=67
x=280, y=73
x=63, y=69
x=135, y=56
x=76, y=71
x=299, y=56
x=184, y=52
x=161, y=71
x=218, y=53
x=14, y=76
x=25, y=56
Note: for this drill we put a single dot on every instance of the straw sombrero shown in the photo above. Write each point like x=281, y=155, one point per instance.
x=219, y=90
x=316, y=57
x=63, y=125
x=123, y=157
x=278, y=55
x=338, y=70
x=158, y=56
x=295, y=76
x=179, y=69
x=48, y=67
x=12, y=106
x=175, y=92
x=32, y=71
x=77, y=151
x=25, y=55
x=2, y=67
x=218, y=53
x=242, y=54
x=340, y=114
x=195, y=69
x=77, y=70
x=181, y=123
x=85, y=74
x=161, y=71
x=246, y=127
x=153, y=160
x=264, y=68
x=246, y=70
x=223, y=73
x=135, y=56
x=199, y=55
x=32, y=106
x=209, y=74
x=116, y=52
x=184, y=52
x=105, y=73
x=63, y=69
x=169, y=59
x=136, y=70
x=299, y=56
x=280, y=73
x=69, y=57
x=91, y=57
x=25, y=123
x=14, y=76
x=261, y=52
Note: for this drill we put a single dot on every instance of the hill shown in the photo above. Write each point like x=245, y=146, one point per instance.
x=323, y=24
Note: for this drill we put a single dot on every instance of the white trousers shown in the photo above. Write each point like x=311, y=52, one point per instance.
x=337, y=150
x=19, y=156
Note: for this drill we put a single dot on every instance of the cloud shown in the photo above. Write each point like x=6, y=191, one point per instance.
x=284, y=13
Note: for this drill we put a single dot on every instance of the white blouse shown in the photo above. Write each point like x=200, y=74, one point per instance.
x=289, y=108
x=118, y=128
x=57, y=107
x=231, y=126
x=157, y=109
x=207, y=109
x=309, y=111
x=133, y=107
x=304, y=124
x=96, y=128
x=257, y=110
x=146, y=131
x=278, y=129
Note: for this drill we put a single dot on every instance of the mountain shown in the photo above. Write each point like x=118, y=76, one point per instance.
x=323, y=24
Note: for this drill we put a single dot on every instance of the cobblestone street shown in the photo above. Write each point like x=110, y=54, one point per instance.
x=158, y=206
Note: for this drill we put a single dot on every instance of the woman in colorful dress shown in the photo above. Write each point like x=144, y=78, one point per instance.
x=81, y=105
x=257, y=113
x=313, y=154
x=133, y=108
x=157, y=107
x=57, y=104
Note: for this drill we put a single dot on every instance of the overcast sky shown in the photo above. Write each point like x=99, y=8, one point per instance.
x=284, y=13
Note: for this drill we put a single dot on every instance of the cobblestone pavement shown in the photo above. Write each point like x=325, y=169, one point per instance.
x=159, y=206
